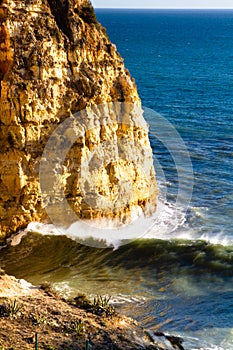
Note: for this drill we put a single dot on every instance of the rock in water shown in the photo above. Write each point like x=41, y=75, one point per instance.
x=57, y=60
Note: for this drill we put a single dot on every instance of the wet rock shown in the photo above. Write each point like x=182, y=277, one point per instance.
x=165, y=342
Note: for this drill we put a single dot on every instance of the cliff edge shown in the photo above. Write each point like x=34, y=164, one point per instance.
x=56, y=60
x=60, y=323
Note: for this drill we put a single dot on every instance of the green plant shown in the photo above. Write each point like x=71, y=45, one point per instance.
x=101, y=306
x=12, y=308
x=78, y=327
x=38, y=319
x=36, y=342
x=103, y=323
x=50, y=347
x=87, y=344
x=101, y=301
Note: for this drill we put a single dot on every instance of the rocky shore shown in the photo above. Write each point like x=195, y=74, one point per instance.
x=37, y=318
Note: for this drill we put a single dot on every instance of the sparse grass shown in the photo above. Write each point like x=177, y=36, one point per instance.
x=101, y=301
x=11, y=308
x=100, y=304
x=103, y=323
x=79, y=327
x=50, y=347
x=66, y=327
x=38, y=319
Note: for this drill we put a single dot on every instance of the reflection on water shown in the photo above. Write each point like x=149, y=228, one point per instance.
x=182, y=287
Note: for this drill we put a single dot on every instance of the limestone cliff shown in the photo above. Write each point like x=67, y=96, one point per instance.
x=56, y=60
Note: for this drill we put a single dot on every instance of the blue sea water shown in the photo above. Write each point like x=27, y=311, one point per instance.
x=180, y=282
x=182, y=62
x=183, y=67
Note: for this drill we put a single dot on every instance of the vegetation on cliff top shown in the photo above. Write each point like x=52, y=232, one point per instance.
x=28, y=313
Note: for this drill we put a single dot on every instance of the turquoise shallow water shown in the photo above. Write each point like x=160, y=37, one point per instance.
x=178, y=281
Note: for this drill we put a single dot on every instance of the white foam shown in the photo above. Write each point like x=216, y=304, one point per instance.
x=126, y=299
x=38, y=227
x=108, y=231
x=217, y=238
x=167, y=223
x=44, y=229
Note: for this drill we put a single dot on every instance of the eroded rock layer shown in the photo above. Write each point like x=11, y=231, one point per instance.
x=56, y=60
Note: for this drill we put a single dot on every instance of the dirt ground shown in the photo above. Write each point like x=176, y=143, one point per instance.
x=35, y=318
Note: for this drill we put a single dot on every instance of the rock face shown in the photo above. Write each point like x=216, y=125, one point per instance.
x=56, y=60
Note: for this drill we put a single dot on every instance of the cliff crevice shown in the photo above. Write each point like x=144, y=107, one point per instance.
x=59, y=9
x=56, y=60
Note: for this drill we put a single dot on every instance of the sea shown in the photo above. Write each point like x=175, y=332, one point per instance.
x=177, y=277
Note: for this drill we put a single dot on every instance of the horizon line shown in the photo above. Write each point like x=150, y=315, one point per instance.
x=164, y=8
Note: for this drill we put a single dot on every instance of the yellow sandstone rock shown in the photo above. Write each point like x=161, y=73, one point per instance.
x=56, y=60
